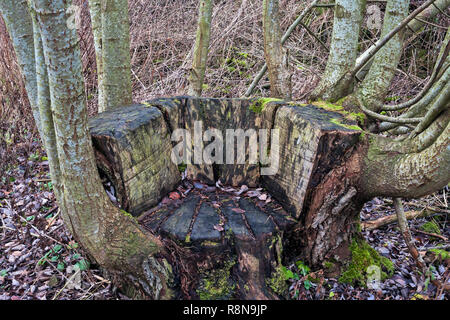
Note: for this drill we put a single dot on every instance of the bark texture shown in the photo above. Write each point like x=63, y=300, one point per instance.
x=348, y=16
x=375, y=85
x=115, y=53
x=113, y=239
x=18, y=20
x=197, y=74
x=276, y=56
x=217, y=252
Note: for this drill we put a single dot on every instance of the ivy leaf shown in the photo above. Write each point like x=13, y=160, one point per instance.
x=307, y=284
x=83, y=265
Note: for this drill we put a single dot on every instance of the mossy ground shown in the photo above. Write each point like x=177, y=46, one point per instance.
x=441, y=254
x=431, y=227
x=363, y=256
x=217, y=284
x=277, y=282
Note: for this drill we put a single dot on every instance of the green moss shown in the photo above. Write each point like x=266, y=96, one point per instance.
x=277, y=282
x=441, y=254
x=351, y=127
x=217, y=284
x=129, y=215
x=328, y=265
x=259, y=105
x=363, y=256
x=328, y=105
x=337, y=107
x=431, y=227
x=208, y=243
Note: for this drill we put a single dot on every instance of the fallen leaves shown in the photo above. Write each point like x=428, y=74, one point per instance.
x=174, y=196
x=238, y=210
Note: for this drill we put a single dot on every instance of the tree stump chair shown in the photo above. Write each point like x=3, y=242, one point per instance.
x=224, y=246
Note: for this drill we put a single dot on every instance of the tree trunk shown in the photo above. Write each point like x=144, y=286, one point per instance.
x=375, y=85
x=276, y=56
x=348, y=16
x=216, y=251
x=201, y=48
x=20, y=27
x=113, y=238
x=95, y=10
x=115, y=52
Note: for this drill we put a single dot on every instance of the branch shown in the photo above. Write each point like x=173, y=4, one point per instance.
x=441, y=60
x=383, y=221
x=368, y=54
x=403, y=224
x=387, y=118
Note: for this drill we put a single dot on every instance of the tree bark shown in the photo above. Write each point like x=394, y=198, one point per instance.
x=20, y=27
x=276, y=56
x=201, y=48
x=348, y=16
x=115, y=52
x=113, y=239
x=375, y=85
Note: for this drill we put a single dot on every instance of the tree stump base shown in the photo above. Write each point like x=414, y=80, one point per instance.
x=230, y=244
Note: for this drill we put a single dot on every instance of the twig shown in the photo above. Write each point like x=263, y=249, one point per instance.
x=404, y=229
x=381, y=222
x=418, y=205
x=430, y=234
x=67, y=282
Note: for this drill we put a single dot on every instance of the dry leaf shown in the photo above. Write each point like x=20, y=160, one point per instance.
x=238, y=210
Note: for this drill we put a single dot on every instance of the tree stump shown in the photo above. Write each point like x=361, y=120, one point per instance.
x=221, y=245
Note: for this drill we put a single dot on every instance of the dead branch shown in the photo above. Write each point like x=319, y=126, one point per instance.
x=378, y=223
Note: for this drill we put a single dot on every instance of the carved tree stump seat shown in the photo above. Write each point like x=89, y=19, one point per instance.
x=223, y=245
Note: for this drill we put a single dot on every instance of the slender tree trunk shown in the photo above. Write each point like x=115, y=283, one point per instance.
x=348, y=16
x=436, y=8
x=276, y=56
x=95, y=9
x=113, y=239
x=44, y=105
x=115, y=52
x=20, y=27
x=413, y=26
x=375, y=86
x=201, y=48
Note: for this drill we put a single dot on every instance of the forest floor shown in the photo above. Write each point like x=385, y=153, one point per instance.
x=39, y=259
